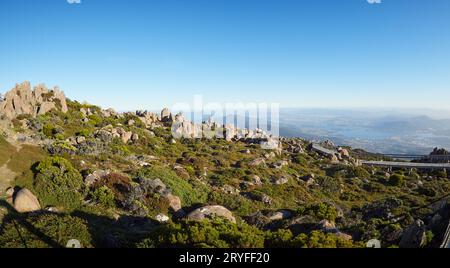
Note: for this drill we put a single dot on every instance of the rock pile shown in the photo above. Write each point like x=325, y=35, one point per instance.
x=109, y=132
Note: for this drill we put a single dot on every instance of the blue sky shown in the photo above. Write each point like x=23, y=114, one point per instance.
x=146, y=54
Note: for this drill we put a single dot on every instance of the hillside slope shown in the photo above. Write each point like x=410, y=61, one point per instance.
x=114, y=179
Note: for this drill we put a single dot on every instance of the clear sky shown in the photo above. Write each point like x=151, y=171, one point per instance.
x=146, y=54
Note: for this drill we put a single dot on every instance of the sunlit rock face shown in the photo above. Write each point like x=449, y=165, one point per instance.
x=21, y=100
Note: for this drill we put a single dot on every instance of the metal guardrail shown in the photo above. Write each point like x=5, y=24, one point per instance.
x=407, y=164
x=446, y=241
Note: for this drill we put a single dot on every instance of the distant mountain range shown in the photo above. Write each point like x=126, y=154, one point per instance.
x=375, y=131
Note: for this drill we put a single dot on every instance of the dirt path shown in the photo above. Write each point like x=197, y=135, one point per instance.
x=6, y=178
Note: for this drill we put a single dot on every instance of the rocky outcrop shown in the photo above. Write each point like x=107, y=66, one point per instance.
x=25, y=201
x=21, y=100
x=148, y=118
x=414, y=236
x=209, y=212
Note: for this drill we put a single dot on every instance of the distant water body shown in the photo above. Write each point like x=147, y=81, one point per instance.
x=382, y=131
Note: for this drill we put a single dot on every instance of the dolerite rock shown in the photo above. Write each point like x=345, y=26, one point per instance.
x=414, y=236
x=280, y=181
x=279, y=215
x=344, y=153
x=174, y=202
x=22, y=100
x=25, y=202
x=166, y=115
x=10, y=192
x=148, y=118
x=257, y=162
x=209, y=212
x=94, y=177
x=162, y=218
x=230, y=132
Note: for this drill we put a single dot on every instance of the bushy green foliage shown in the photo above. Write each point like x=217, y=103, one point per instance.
x=95, y=120
x=237, y=203
x=396, y=180
x=104, y=196
x=218, y=233
x=317, y=239
x=120, y=149
x=43, y=231
x=58, y=183
x=188, y=194
x=359, y=172
x=321, y=211
x=281, y=238
x=49, y=130
x=83, y=133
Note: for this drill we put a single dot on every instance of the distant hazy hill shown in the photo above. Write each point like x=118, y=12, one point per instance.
x=382, y=131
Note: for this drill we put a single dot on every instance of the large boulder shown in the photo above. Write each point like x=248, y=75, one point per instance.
x=21, y=100
x=211, y=212
x=25, y=201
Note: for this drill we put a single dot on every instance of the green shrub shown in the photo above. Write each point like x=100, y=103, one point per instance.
x=218, y=233
x=104, y=196
x=188, y=194
x=95, y=120
x=282, y=238
x=83, y=133
x=321, y=211
x=317, y=239
x=43, y=231
x=396, y=180
x=49, y=130
x=58, y=183
x=359, y=172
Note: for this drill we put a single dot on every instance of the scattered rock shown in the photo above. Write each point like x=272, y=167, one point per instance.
x=96, y=176
x=256, y=180
x=279, y=215
x=257, y=162
x=230, y=190
x=162, y=218
x=80, y=139
x=281, y=181
x=280, y=164
x=327, y=226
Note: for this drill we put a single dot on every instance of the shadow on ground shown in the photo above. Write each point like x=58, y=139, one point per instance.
x=104, y=232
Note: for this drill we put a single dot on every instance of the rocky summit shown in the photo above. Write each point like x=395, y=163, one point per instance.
x=71, y=170
x=21, y=100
